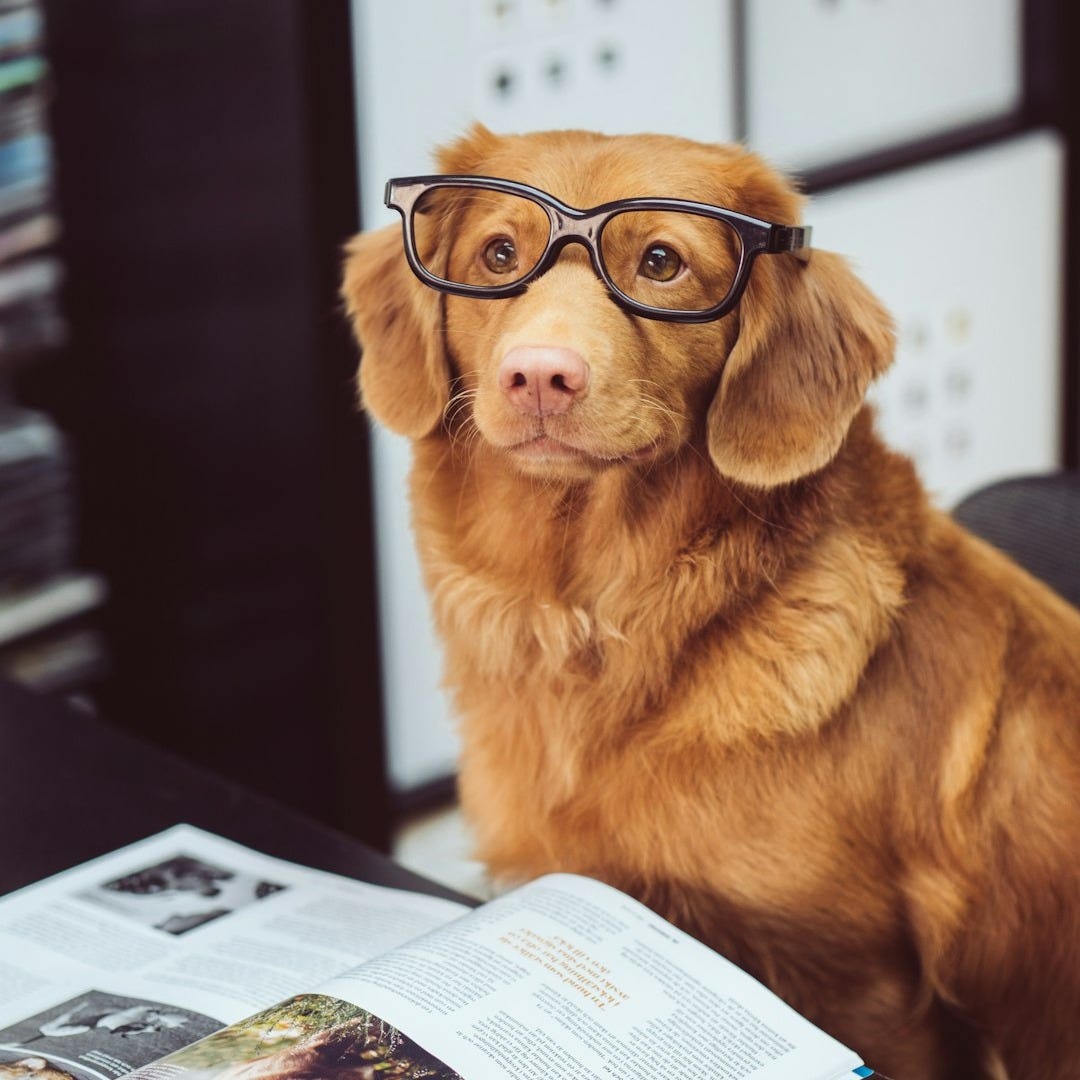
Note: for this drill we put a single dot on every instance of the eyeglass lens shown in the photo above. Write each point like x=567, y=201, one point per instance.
x=663, y=259
x=499, y=237
x=672, y=259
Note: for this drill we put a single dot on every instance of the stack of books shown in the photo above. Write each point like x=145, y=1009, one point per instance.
x=36, y=511
x=43, y=600
x=30, y=270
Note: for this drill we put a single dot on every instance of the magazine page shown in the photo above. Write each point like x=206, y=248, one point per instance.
x=121, y=960
x=564, y=977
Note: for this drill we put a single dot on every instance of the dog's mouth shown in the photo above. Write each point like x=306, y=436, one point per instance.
x=543, y=448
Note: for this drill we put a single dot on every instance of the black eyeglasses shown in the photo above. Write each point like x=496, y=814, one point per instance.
x=667, y=259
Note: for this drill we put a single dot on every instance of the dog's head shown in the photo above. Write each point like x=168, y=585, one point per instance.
x=564, y=381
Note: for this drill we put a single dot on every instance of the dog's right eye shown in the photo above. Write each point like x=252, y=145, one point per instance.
x=660, y=262
x=500, y=255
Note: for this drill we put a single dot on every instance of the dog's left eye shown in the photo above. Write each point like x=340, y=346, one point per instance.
x=500, y=255
x=660, y=263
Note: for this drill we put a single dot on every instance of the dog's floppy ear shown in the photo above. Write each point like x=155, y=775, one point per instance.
x=811, y=338
x=404, y=375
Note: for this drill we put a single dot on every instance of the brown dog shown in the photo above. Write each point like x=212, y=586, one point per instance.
x=707, y=639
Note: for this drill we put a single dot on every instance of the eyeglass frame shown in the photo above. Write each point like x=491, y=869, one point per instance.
x=571, y=225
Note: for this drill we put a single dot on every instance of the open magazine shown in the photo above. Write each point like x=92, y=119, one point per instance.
x=188, y=956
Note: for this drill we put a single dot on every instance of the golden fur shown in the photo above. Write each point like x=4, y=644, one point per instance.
x=725, y=655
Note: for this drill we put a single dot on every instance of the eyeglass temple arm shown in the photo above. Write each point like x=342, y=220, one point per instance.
x=793, y=239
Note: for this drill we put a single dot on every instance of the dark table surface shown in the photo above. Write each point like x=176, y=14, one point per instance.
x=72, y=788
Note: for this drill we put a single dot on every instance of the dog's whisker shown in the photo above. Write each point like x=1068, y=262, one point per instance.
x=458, y=404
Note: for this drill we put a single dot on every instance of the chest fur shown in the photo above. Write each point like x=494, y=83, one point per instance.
x=610, y=660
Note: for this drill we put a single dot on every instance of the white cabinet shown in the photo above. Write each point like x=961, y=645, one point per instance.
x=829, y=80
x=967, y=254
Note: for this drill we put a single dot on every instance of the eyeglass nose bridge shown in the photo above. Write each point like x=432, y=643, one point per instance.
x=567, y=229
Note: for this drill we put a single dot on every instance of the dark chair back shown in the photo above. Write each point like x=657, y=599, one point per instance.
x=1036, y=521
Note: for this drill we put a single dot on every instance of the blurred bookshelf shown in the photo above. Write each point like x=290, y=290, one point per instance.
x=203, y=167
x=49, y=634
